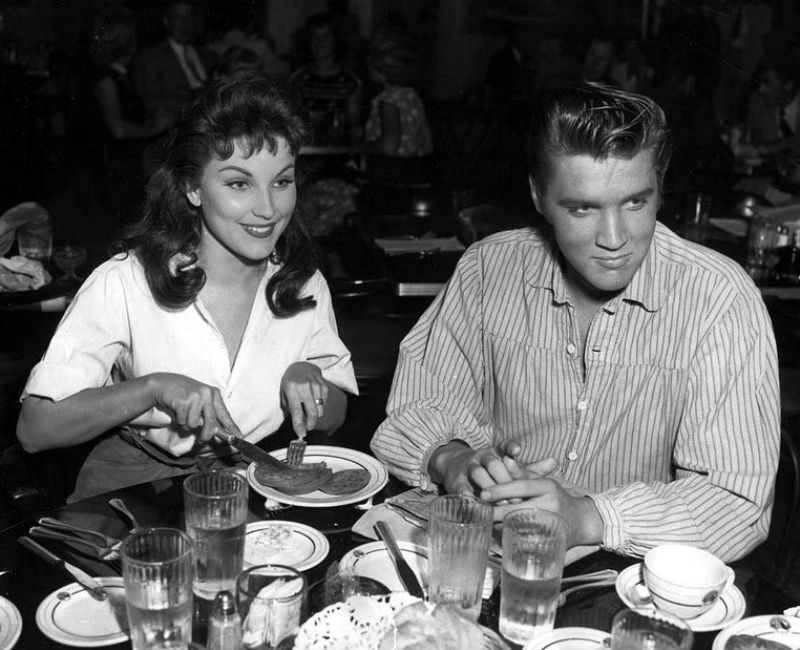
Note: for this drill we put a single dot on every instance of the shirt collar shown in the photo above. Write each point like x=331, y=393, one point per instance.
x=648, y=288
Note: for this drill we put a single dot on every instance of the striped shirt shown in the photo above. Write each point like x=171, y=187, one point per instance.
x=674, y=428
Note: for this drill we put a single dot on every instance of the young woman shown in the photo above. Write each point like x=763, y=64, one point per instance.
x=211, y=317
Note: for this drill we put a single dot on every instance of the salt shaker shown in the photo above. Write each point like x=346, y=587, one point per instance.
x=224, y=624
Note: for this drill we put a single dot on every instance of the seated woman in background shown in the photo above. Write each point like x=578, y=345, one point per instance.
x=397, y=123
x=119, y=109
x=211, y=317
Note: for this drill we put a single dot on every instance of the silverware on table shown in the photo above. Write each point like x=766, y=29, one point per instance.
x=406, y=574
x=83, y=540
x=120, y=506
x=562, y=597
x=603, y=574
x=95, y=589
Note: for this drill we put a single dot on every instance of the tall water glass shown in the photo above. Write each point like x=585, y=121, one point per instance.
x=272, y=603
x=157, y=570
x=646, y=629
x=459, y=533
x=215, y=507
x=534, y=543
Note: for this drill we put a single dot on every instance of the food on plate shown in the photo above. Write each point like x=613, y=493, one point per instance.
x=430, y=627
x=749, y=642
x=346, y=481
x=269, y=545
x=21, y=274
x=306, y=478
x=301, y=479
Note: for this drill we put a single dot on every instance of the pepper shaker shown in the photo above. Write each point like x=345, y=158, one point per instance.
x=224, y=624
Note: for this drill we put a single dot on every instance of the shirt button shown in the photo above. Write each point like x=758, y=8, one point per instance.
x=570, y=348
x=582, y=405
x=573, y=455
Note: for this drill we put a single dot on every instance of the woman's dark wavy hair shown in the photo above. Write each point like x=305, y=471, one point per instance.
x=598, y=120
x=253, y=111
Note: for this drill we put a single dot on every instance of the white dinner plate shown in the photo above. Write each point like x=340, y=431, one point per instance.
x=569, y=638
x=335, y=458
x=284, y=542
x=71, y=616
x=372, y=561
x=10, y=624
x=729, y=608
x=759, y=626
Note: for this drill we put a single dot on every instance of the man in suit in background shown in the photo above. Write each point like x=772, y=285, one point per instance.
x=167, y=73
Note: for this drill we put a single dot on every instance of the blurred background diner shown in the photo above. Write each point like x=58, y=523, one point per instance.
x=445, y=84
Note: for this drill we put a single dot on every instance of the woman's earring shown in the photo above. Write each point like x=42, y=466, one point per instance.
x=274, y=257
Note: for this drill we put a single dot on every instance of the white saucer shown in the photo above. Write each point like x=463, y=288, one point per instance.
x=759, y=626
x=569, y=638
x=729, y=608
x=71, y=616
x=10, y=624
x=284, y=542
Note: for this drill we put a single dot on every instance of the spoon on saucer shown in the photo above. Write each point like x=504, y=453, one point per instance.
x=639, y=596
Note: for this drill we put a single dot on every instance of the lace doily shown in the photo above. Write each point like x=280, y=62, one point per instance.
x=356, y=624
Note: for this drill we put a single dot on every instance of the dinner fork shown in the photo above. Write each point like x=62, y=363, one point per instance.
x=296, y=452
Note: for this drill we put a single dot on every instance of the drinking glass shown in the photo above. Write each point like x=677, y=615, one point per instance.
x=648, y=629
x=215, y=506
x=534, y=543
x=157, y=571
x=35, y=238
x=68, y=259
x=272, y=603
x=459, y=533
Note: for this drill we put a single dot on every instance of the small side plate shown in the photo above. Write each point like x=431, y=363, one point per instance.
x=284, y=542
x=372, y=561
x=69, y=615
x=570, y=638
x=10, y=624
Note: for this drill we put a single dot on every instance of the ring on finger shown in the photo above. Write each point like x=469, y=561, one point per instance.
x=319, y=401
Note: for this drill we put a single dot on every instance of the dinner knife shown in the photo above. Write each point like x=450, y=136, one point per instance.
x=256, y=454
x=406, y=574
x=95, y=589
x=251, y=452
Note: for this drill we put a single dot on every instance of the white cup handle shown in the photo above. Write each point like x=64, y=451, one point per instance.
x=730, y=577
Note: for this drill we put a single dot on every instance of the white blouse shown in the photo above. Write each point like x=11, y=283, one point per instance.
x=114, y=331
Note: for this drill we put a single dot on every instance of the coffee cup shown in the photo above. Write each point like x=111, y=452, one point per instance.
x=685, y=580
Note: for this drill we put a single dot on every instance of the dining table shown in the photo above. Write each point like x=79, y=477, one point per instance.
x=26, y=581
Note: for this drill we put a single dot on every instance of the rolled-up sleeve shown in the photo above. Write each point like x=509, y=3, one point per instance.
x=324, y=347
x=438, y=390
x=726, y=452
x=84, y=348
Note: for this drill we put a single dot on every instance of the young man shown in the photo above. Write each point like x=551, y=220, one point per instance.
x=603, y=368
